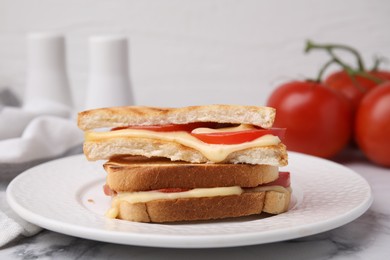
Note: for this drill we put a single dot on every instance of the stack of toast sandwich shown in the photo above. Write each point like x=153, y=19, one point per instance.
x=190, y=163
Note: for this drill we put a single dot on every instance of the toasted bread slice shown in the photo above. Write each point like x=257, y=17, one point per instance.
x=191, y=209
x=106, y=149
x=139, y=115
x=141, y=174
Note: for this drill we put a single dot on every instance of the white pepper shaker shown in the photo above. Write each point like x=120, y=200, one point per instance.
x=108, y=79
x=47, y=85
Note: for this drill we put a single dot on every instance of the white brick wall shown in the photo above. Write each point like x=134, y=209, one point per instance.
x=196, y=52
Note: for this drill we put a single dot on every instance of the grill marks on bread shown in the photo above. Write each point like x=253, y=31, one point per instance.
x=140, y=115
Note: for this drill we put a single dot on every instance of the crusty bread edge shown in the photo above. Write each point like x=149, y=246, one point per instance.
x=277, y=202
x=162, y=211
x=153, y=176
x=104, y=150
x=143, y=115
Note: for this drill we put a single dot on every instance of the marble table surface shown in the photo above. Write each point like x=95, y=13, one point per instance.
x=367, y=237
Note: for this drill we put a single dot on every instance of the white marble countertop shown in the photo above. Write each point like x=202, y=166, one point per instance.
x=367, y=237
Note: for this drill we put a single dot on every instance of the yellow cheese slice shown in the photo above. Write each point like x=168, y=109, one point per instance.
x=145, y=196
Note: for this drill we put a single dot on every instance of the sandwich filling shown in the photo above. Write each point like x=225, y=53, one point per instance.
x=213, y=152
x=282, y=185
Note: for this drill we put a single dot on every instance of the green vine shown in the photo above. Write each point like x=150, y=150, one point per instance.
x=331, y=47
x=360, y=71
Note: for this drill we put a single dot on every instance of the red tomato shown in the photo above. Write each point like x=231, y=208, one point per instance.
x=238, y=137
x=283, y=180
x=372, y=126
x=352, y=88
x=382, y=74
x=167, y=128
x=317, y=119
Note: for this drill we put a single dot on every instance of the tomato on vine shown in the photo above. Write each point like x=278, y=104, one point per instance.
x=352, y=82
x=381, y=74
x=353, y=88
x=372, y=126
x=322, y=116
x=318, y=120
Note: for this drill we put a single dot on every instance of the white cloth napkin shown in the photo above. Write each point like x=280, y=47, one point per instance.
x=11, y=225
x=26, y=139
x=43, y=137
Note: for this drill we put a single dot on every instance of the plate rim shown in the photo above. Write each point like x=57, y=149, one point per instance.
x=178, y=240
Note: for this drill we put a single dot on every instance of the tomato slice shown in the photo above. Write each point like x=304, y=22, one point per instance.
x=235, y=137
x=108, y=191
x=283, y=180
x=238, y=137
x=168, y=128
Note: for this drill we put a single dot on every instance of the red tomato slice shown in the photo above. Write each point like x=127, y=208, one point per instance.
x=108, y=191
x=168, y=128
x=238, y=137
x=283, y=180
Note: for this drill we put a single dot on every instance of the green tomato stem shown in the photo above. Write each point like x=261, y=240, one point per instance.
x=323, y=69
x=368, y=76
x=330, y=47
x=378, y=60
x=348, y=69
x=351, y=72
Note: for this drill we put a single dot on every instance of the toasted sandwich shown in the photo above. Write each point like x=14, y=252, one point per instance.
x=191, y=163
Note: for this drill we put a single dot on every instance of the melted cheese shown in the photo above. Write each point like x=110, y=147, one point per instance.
x=204, y=130
x=272, y=188
x=145, y=196
x=213, y=152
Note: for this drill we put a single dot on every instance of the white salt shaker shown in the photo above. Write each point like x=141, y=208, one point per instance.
x=47, y=85
x=108, y=79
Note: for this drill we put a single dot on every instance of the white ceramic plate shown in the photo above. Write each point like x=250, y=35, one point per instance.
x=66, y=196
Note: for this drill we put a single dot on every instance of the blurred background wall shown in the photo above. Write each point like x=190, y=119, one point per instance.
x=186, y=52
